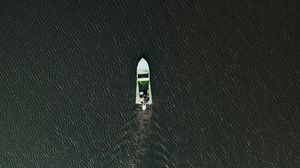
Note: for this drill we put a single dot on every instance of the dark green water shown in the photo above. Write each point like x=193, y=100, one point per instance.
x=224, y=75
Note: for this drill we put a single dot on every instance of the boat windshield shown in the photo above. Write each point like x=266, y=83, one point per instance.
x=143, y=75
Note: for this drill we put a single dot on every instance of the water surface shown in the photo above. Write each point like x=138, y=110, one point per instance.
x=224, y=75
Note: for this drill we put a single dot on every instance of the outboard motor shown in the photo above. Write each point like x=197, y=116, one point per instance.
x=144, y=105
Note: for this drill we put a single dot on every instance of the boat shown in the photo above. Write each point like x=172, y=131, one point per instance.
x=143, y=86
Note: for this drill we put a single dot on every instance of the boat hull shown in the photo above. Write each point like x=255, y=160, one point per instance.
x=143, y=85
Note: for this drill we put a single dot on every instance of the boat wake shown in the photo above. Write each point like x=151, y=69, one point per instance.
x=144, y=120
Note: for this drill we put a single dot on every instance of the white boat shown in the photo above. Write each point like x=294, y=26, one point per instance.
x=143, y=86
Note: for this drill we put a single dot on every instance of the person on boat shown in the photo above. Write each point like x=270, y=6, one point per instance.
x=144, y=98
